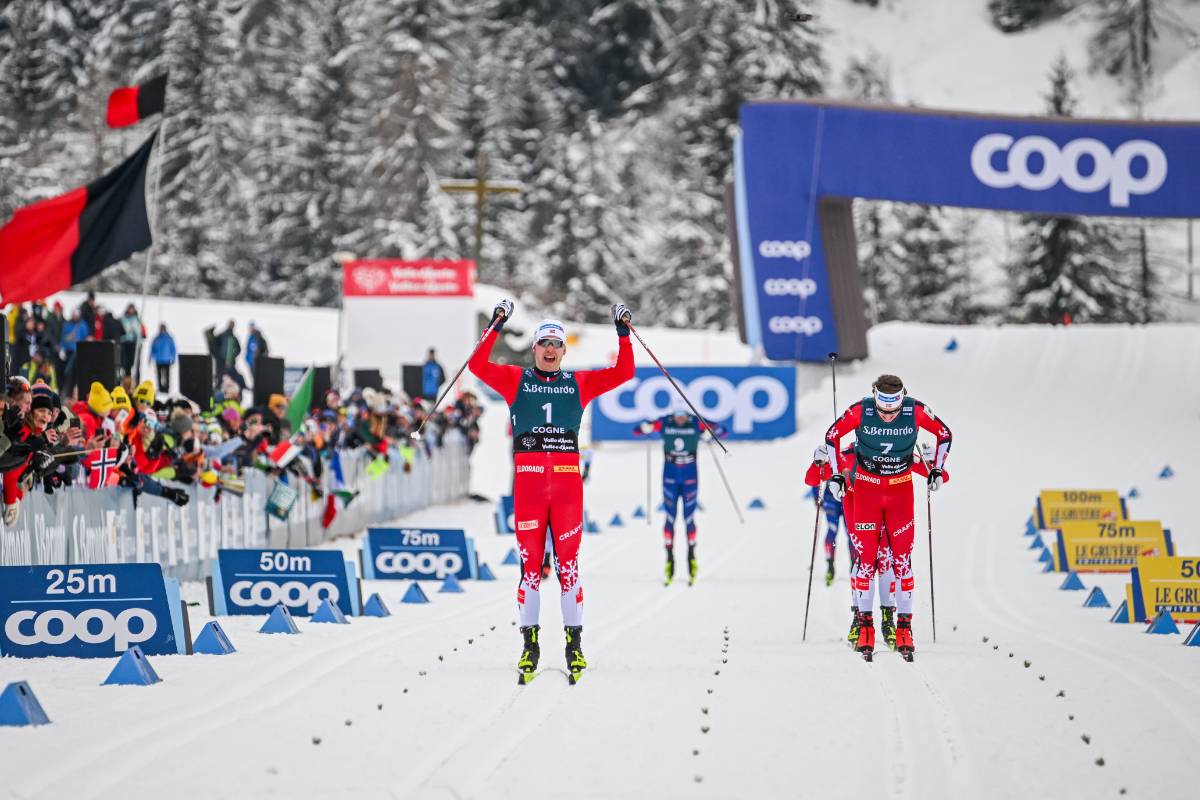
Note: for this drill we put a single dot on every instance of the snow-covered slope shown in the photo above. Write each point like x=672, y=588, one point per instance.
x=709, y=691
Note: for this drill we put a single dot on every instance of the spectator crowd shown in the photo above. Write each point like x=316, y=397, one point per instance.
x=136, y=436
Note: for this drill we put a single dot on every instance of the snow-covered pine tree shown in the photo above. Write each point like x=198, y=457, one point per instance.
x=1126, y=41
x=934, y=276
x=1069, y=265
x=1017, y=15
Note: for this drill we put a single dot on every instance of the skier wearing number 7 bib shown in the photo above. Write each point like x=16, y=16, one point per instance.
x=681, y=432
x=546, y=405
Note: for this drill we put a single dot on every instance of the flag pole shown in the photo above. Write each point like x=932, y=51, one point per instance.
x=160, y=145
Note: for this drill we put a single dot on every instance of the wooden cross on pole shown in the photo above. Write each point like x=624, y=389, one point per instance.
x=480, y=186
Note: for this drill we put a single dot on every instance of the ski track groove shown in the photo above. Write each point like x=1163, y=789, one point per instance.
x=517, y=720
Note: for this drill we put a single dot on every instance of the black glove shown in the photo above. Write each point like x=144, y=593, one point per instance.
x=837, y=486
x=620, y=316
x=501, y=313
x=177, y=496
x=185, y=473
x=42, y=461
x=936, y=478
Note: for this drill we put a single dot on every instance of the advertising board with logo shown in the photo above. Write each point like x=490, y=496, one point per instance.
x=89, y=611
x=1169, y=584
x=1109, y=546
x=504, y=515
x=418, y=554
x=791, y=156
x=1056, y=506
x=387, y=277
x=255, y=581
x=749, y=402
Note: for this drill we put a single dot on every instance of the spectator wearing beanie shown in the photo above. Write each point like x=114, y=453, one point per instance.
x=32, y=434
x=93, y=411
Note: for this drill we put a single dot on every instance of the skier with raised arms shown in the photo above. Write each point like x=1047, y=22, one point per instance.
x=885, y=426
x=681, y=432
x=546, y=405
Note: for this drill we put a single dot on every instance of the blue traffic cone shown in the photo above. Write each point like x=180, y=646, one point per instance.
x=757, y=503
x=485, y=573
x=1072, y=583
x=1097, y=599
x=328, y=612
x=1166, y=472
x=280, y=621
x=615, y=522
x=510, y=558
x=1192, y=640
x=19, y=706
x=1030, y=528
x=1121, y=614
x=451, y=585
x=212, y=641
x=1037, y=543
x=1163, y=623
x=132, y=670
x=375, y=607
x=1046, y=557
x=951, y=345
x=415, y=594
x=1134, y=493
x=1048, y=567
x=591, y=527
x=639, y=513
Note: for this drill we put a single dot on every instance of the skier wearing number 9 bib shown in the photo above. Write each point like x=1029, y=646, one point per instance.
x=546, y=405
x=681, y=433
x=885, y=428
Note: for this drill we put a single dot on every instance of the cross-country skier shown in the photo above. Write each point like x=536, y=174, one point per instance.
x=832, y=508
x=681, y=432
x=885, y=426
x=546, y=405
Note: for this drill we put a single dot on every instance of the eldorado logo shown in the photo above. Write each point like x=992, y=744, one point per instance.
x=1111, y=169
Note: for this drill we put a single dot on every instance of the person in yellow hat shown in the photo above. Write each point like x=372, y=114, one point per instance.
x=94, y=410
x=143, y=395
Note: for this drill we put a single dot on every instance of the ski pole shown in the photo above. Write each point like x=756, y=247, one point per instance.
x=737, y=509
x=929, y=524
x=417, y=433
x=833, y=371
x=663, y=370
x=812, y=562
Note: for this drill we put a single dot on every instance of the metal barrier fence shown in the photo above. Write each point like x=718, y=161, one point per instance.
x=85, y=526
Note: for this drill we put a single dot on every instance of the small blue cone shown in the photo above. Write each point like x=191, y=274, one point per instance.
x=328, y=612
x=510, y=558
x=1134, y=492
x=1030, y=529
x=1048, y=567
x=1045, y=557
x=1121, y=614
x=615, y=522
x=485, y=573
x=212, y=641
x=375, y=607
x=280, y=621
x=757, y=503
x=1167, y=472
x=132, y=670
x=591, y=527
x=639, y=513
x=450, y=585
x=1163, y=623
x=19, y=706
x=951, y=345
x=1096, y=599
x=415, y=594
x=1072, y=583
x=1192, y=640
x=1037, y=543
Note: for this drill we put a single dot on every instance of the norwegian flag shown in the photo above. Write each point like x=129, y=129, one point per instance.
x=101, y=465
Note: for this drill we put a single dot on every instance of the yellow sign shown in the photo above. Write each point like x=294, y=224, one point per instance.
x=1056, y=506
x=1166, y=583
x=1129, y=616
x=1109, y=546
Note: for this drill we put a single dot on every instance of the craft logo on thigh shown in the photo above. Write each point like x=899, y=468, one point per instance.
x=527, y=525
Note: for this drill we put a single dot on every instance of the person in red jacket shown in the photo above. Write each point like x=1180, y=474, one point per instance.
x=885, y=429
x=32, y=434
x=546, y=406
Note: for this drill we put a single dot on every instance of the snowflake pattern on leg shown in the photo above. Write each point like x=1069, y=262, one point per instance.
x=569, y=574
x=533, y=580
x=903, y=567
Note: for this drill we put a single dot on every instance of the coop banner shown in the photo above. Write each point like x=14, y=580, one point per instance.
x=792, y=155
x=89, y=611
x=748, y=402
x=1056, y=506
x=255, y=581
x=1109, y=546
x=1167, y=584
x=418, y=554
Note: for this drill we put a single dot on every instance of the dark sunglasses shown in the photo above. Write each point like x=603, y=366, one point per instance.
x=555, y=343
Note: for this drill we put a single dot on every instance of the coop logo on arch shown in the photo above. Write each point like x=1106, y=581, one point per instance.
x=1085, y=165
x=797, y=250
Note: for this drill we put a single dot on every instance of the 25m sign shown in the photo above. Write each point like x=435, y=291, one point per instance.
x=255, y=581
x=89, y=611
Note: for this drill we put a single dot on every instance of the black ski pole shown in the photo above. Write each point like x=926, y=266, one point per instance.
x=812, y=562
x=663, y=370
x=929, y=526
x=833, y=371
x=437, y=403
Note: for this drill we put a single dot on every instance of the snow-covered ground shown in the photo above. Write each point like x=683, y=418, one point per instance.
x=424, y=704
